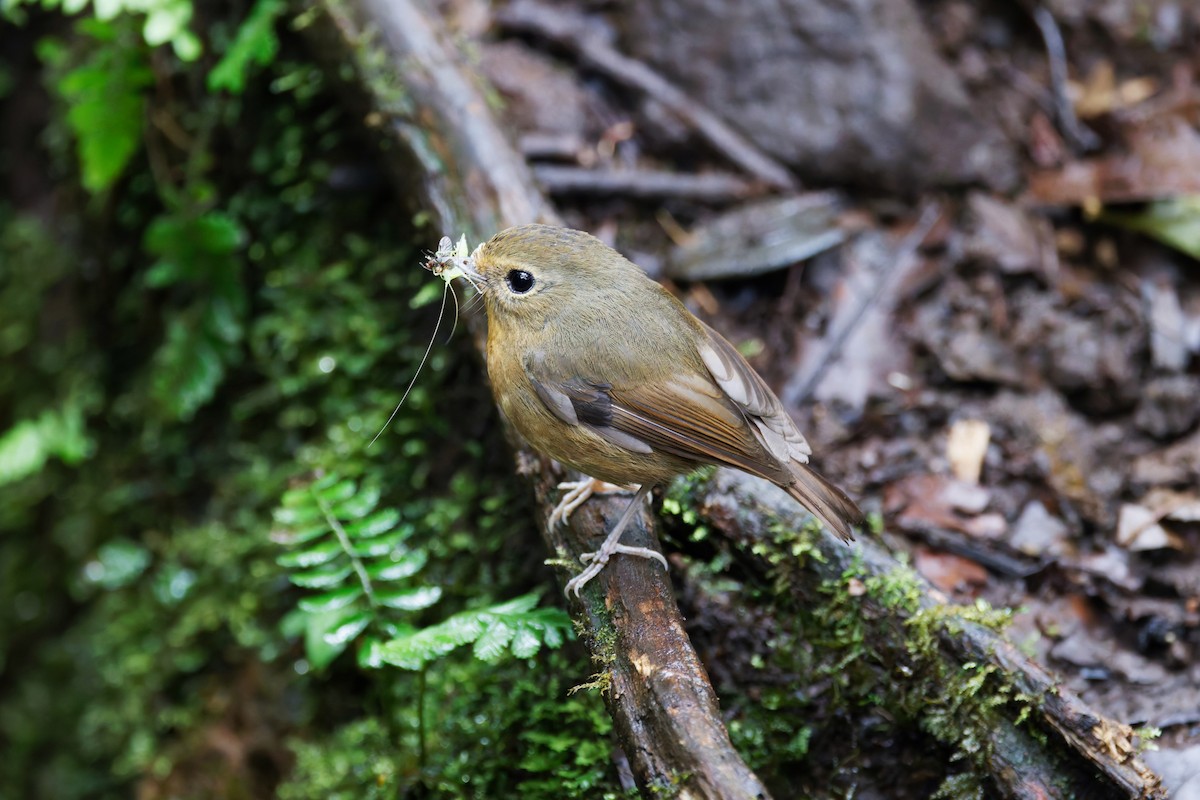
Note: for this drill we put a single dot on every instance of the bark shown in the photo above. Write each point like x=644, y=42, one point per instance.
x=441, y=140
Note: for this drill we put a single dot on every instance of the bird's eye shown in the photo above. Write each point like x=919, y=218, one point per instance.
x=519, y=281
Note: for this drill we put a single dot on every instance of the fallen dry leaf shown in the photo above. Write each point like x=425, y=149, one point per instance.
x=948, y=572
x=1039, y=533
x=1138, y=530
x=921, y=503
x=1161, y=159
x=966, y=447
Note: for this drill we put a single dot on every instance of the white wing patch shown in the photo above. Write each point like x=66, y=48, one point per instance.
x=746, y=388
x=722, y=370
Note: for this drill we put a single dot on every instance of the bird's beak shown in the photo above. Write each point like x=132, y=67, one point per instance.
x=469, y=271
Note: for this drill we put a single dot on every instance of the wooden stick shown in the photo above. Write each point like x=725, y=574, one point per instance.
x=561, y=28
x=707, y=187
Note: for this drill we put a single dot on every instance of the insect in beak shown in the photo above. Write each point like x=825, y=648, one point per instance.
x=451, y=261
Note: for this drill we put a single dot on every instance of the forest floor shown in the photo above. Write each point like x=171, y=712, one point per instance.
x=1011, y=377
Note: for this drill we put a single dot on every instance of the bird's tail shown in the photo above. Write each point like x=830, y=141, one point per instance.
x=825, y=501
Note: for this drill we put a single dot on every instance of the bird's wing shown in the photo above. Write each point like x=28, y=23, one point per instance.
x=778, y=434
x=728, y=417
x=684, y=415
x=750, y=393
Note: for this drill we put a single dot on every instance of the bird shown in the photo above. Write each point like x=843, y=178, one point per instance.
x=602, y=369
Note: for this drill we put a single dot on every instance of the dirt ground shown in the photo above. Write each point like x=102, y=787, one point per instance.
x=989, y=328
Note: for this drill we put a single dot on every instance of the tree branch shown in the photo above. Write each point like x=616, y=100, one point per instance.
x=747, y=509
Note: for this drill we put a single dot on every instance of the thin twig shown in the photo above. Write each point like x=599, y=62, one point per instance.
x=1081, y=137
x=562, y=29
x=709, y=186
x=802, y=390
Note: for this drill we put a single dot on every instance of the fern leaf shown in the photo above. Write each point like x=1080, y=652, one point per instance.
x=410, y=599
x=414, y=650
x=297, y=514
x=330, y=601
x=325, y=577
x=320, y=652
x=347, y=628
x=359, y=504
x=335, y=492
x=525, y=642
x=490, y=646
x=301, y=535
x=380, y=545
x=402, y=566
x=514, y=624
x=320, y=553
x=518, y=605
x=380, y=522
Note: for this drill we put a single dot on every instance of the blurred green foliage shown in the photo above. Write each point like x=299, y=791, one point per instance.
x=221, y=314
x=105, y=95
x=531, y=740
x=160, y=21
x=1174, y=221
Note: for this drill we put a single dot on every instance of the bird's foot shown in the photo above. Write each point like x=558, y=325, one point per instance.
x=577, y=493
x=596, y=561
x=612, y=544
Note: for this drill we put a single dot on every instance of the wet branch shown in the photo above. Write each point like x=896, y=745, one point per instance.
x=711, y=187
x=1084, y=743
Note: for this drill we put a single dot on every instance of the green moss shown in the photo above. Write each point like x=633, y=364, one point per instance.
x=517, y=733
x=1144, y=737
x=139, y=564
x=827, y=637
x=357, y=760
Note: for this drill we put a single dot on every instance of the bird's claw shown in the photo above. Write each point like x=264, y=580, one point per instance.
x=577, y=493
x=596, y=561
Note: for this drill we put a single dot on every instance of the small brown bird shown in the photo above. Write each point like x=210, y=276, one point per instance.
x=602, y=369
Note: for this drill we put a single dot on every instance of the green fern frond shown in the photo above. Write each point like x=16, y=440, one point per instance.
x=515, y=625
x=356, y=559
x=353, y=555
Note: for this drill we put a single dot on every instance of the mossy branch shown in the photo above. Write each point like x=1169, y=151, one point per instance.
x=967, y=684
